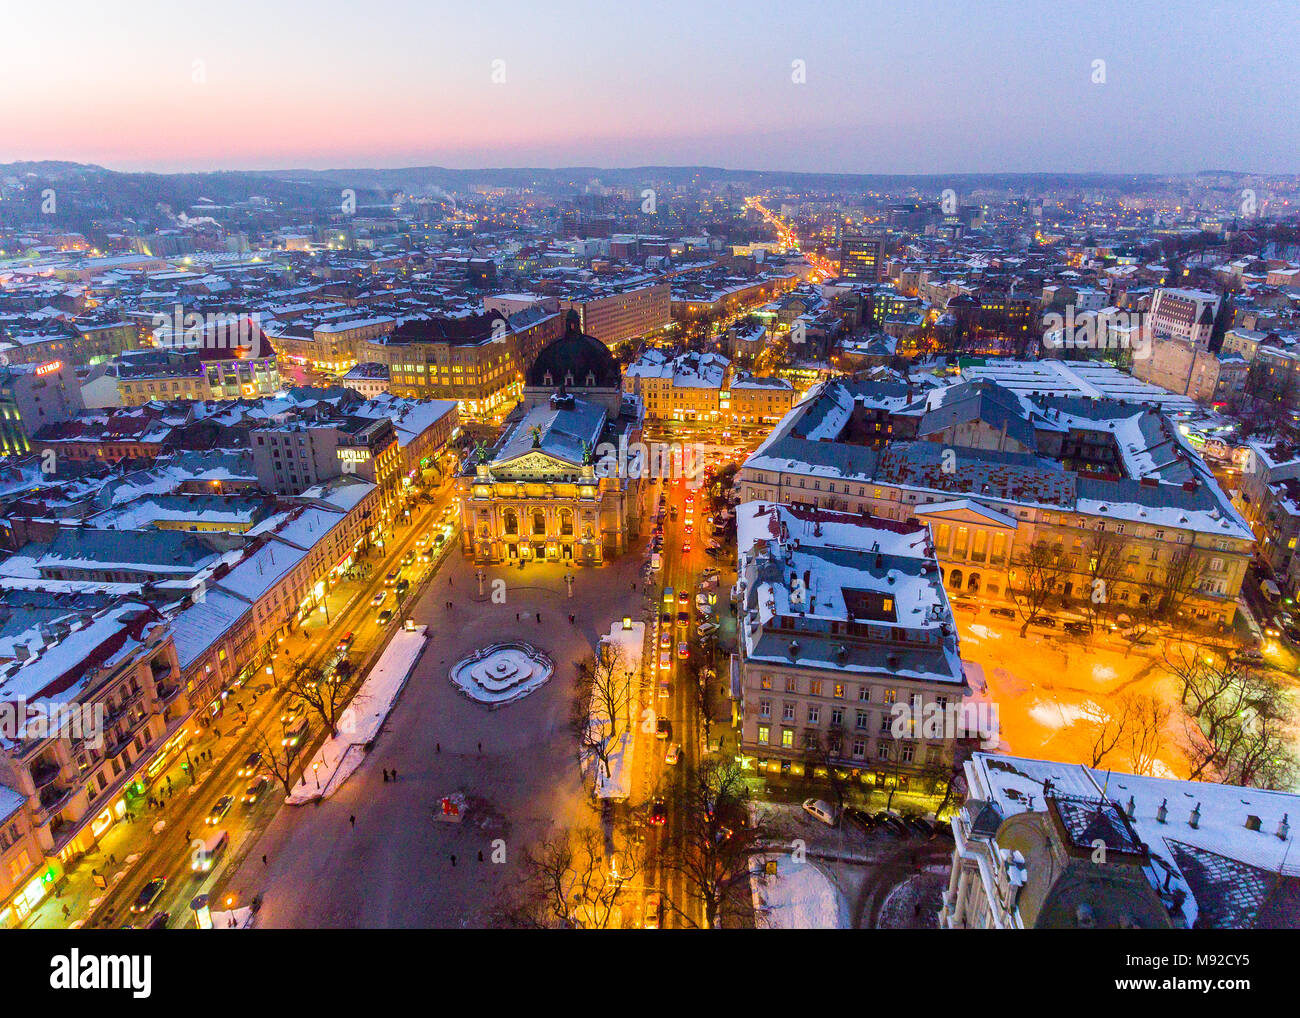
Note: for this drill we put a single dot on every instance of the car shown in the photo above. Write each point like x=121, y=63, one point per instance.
x=683, y=650
x=158, y=921
x=346, y=642
x=686, y=547
x=149, y=894
x=439, y=538
x=665, y=660
x=378, y=599
x=403, y=585
x=251, y=765
x=821, y=810
x=658, y=812
x=391, y=579
x=859, y=818
x=1002, y=613
x=408, y=558
x=666, y=639
x=219, y=810
x=703, y=600
x=689, y=529
x=653, y=906
x=663, y=728
x=656, y=561
x=684, y=619
x=665, y=618
x=385, y=616
x=665, y=689
x=709, y=575
x=1046, y=621
x=920, y=825
x=1077, y=628
x=422, y=541
x=706, y=629
x=966, y=606
x=255, y=789
x=673, y=753
x=892, y=824
x=426, y=556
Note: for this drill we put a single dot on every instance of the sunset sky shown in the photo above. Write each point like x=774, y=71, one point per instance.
x=890, y=87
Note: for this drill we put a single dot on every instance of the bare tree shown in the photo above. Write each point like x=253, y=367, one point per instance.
x=569, y=881
x=717, y=839
x=1103, y=556
x=1033, y=580
x=1135, y=726
x=278, y=760
x=1235, y=728
x=326, y=694
x=604, y=694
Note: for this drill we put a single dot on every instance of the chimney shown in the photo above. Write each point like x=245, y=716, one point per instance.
x=1194, y=821
x=1283, y=828
x=1163, y=812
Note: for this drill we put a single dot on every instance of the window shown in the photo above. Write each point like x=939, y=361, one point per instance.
x=882, y=751
x=764, y=734
x=863, y=719
x=791, y=684
x=814, y=714
x=787, y=738
x=764, y=708
x=837, y=716
x=787, y=711
x=859, y=748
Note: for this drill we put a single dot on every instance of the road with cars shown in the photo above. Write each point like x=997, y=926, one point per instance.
x=171, y=840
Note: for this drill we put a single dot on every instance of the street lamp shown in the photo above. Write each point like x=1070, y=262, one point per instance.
x=315, y=769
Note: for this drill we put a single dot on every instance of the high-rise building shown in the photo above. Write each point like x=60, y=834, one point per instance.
x=862, y=256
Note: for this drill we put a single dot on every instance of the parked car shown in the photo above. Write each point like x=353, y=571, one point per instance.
x=1046, y=621
x=705, y=629
x=1003, y=613
x=158, y=921
x=653, y=906
x=860, y=819
x=821, y=810
x=892, y=823
x=1077, y=628
x=920, y=825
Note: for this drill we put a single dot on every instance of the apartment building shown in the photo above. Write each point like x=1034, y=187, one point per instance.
x=1187, y=315
x=299, y=454
x=624, y=311
x=104, y=712
x=703, y=388
x=841, y=619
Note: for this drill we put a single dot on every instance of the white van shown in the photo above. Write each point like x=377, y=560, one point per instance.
x=213, y=848
x=656, y=561
x=820, y=809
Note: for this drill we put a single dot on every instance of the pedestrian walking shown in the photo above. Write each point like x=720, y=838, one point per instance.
x=437, y=747
x=480, y=749
x=68, y=912
x=394, y=773
x=187, y=834
x=539, y=618
x=112, y=860
x=353, y=821
x=385, y=775
x=453, y=860
x=480, y=855
x=263, y=860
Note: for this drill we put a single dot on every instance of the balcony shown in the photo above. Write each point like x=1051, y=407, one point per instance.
x=43, y=772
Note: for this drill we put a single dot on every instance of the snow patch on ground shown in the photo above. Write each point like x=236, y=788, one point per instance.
x=799, y=896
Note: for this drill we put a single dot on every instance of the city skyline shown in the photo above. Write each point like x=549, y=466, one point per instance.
x=840, y=89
